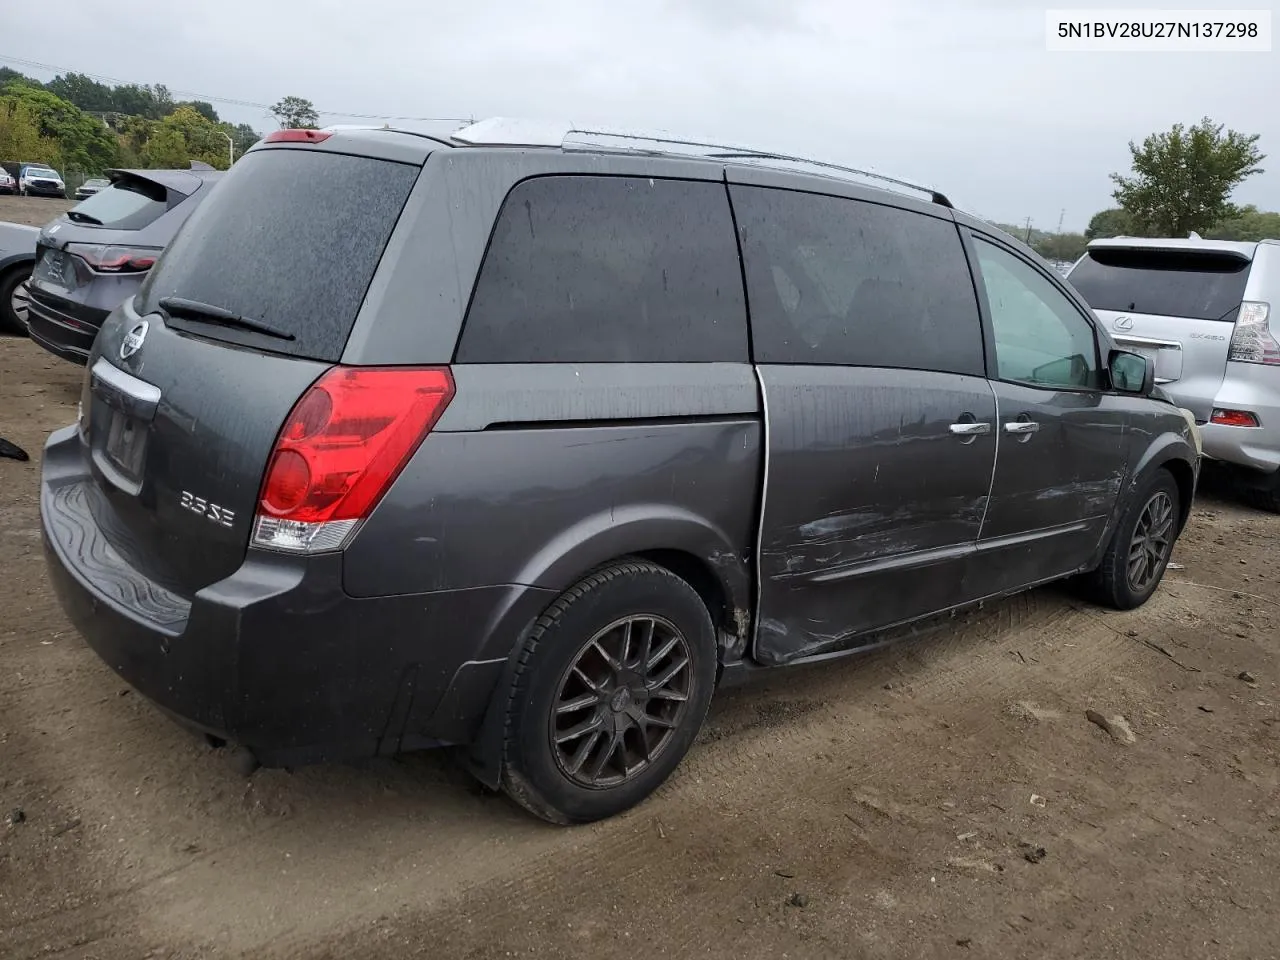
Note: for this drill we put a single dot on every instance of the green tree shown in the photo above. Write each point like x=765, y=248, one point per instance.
x=84, y=142
x=1182, y=180
x=296, y=113
x=244, y=136
x=1249, y=223
x=166, y=150
x=1109, y=223
x=20, y=137
x=203, y=108
x=83, y=91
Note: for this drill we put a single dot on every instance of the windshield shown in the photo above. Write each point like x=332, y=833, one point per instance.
x=42, y=172
x=1198, y=284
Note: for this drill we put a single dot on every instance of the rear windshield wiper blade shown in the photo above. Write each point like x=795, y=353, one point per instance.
x=211, y=314
x=79, y=217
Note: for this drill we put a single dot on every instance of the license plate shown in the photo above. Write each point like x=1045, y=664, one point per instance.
x=126, y=444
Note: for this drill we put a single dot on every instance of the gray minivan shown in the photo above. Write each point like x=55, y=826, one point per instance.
x=526, y=443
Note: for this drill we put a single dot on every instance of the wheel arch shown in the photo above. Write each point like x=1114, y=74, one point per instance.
x=687, y=544
x=1172, y=453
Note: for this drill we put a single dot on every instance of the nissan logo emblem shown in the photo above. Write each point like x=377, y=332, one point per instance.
x=132, y=341
x=1124, y=323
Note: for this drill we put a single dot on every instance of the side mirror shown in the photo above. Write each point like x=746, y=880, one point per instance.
x=1132, y=372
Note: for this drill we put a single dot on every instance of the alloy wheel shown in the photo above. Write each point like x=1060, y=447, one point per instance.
x=19, y=303
x=1151, y=543
x=621, y=700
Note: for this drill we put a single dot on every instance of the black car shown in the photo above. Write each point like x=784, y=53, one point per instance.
x=527, y=445
x=97, y=254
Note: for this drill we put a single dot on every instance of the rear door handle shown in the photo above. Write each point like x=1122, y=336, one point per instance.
x=1021, y=426
x=970, y=429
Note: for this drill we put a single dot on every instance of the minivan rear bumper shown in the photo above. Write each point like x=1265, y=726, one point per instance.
x=277, y=658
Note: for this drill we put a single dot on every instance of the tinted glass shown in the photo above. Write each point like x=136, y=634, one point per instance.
x=125, y=205
x=1165, y=283
x=291, y=238
x=1041, y=337
x=609, y=270
x=832, y=280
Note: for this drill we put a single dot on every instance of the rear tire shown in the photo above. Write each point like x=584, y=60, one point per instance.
x=1266, y=498
x=10, y=320
x=612, y=685
x=1141, y=546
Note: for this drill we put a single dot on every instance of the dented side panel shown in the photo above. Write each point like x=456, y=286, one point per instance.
x=872, y=506
x=1054, y=489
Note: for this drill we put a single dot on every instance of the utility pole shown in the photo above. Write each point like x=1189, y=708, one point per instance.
x=1027, y=238
x=1062, y=216
x=231, y=150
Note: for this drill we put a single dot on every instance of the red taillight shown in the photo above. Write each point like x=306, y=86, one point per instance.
x=1234, y=418
x=298, y=136
x=115, y=259
x=341, y=448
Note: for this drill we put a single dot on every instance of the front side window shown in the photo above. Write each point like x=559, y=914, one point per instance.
x=1041, y=338
x=592, y=269
x=838, y=281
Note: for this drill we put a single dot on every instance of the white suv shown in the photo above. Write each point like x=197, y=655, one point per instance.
x=36, y=180
x=1202, y=309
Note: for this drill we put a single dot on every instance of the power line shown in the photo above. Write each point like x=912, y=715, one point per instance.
x=54, y=68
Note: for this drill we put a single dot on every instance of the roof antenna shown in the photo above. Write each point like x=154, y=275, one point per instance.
x=1194, y=236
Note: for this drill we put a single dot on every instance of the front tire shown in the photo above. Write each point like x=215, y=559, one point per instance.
x=1139, y=552
x=612, y=686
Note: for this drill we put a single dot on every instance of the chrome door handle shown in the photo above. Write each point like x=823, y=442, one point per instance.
x=1021, y=426
x=971, y=429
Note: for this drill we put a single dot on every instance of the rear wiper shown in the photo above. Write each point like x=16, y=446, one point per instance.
x=79, y=217
x=211, y=314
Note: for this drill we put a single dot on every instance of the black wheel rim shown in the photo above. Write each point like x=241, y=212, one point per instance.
x=621, y=701
x=1152, y=540
x=18, y=303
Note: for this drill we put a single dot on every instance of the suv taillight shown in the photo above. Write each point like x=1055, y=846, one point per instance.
x=115, y=259
x=341, y=448
x=1251, y=341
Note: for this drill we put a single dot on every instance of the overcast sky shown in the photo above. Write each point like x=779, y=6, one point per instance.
x=959, y=94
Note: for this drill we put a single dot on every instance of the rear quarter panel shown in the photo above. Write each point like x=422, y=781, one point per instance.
x=537, y=474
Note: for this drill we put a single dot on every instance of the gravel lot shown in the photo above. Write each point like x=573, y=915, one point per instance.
x=948, y=797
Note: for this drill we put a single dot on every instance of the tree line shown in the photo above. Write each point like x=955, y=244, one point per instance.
x=73, y=122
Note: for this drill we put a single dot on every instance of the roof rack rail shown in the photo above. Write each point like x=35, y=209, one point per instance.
x=500, y=131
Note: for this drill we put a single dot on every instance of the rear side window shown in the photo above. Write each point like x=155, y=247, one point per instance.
x=839, y=281
x=1171, y=283
x=128, y=204
x=290, y=238
x=609, y=270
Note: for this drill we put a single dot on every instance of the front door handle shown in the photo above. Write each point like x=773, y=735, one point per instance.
x=970, y=429
x=1021, y=426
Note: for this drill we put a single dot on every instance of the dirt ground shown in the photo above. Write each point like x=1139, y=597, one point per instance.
x=947, y=797
x=36, y=211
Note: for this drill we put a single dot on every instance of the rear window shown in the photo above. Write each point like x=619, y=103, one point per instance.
x=609, y=270
x=1171, y=283
x=840, y=281
x=129, y=204
x=291, y=239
